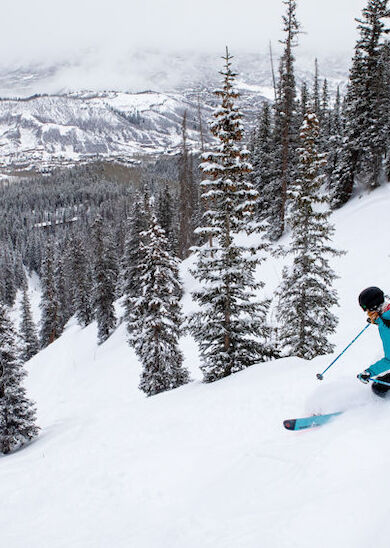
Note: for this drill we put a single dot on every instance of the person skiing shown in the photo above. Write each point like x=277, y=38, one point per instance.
x=372, y=301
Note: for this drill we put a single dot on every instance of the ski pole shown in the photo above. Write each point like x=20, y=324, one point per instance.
x=379, y=382
x=320, y=376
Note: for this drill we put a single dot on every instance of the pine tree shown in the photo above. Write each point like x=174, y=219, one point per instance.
x=50, y=326
x=384, y=101
x=325, y=119
x=334, y=142
x=28, y=333
x=104, y=275
x=34, y=253
x=230, y=326
x=319, y=105
x=325, y=99
x=348, y=155
x=17, y=412
x=133, y=256
x=81, y=276
x=187, y=197
x=8, y=274
x=200, y=122
x=63, y=301
x=285, y=110
x=166, y=217
x=19, y=272
x=264, y=173
x=155, y=320
x=303, y=103
x=316, y=91
x=306, y=293
x=365, y=139
x=372, y=28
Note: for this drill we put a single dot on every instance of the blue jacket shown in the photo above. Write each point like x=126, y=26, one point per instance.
x=383, y=366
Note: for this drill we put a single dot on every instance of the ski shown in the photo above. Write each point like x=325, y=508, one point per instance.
x=309, y=422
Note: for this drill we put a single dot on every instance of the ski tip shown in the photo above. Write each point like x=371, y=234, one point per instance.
x=289, y=424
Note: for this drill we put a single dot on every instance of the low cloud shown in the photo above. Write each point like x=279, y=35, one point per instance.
x=52, y=30
x=128, y=45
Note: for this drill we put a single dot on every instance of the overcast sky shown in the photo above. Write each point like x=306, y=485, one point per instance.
x=50, y=30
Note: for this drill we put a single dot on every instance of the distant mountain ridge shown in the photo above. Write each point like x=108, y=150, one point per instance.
x=49, y=131
x=60, y=125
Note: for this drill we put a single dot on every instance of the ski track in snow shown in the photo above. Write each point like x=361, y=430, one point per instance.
x=209, y=465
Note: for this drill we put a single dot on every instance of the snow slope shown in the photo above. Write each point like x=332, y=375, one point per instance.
x=209, y=465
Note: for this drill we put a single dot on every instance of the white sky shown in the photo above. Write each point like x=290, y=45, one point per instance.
x=50, y=30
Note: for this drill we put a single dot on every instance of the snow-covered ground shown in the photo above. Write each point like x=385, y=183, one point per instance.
x=210, y=465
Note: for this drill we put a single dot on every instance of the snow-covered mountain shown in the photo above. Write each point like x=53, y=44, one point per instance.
x=210, y=465
x=46, y=121
x=44, y=131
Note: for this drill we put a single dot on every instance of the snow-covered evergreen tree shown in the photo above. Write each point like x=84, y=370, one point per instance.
x=334, y=141
x=82, y=286
x=165, y=211
x=316, y=91
x=17, y=412
x=325, y=119
x=155, y=321
x=303, y=103
x=306, y=294
x=188, y=197
x=286, y=114
x=63, y=301
x=133, y=256
x=19, y=271
x=325, y=101
x=373, y=27
x=50, y=327
x=365, y=134
x=8, y=276
x=104, y=277
x=27, y=330
x=384, y=101
x=186, y=194
x=265, y=172
x=230, y=326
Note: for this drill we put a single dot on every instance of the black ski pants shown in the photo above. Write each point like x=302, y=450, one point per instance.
x=381, y=390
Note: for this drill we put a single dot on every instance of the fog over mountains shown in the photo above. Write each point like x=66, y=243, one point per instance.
x=116, y=110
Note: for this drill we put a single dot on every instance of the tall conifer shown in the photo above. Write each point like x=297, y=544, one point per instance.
x=187, y=196
x=7, y=271
x=80, y=271
x=17, y=412
x=104, y=281
x=28, y=333
x=306, y=294
x=154, y=320
x=138, y=223
x=365, y=138
x=230, y=327
x=285, y=109
x=50, y=326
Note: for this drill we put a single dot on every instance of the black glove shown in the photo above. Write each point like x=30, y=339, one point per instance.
x=364, y=377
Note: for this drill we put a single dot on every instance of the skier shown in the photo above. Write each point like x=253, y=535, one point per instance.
x=372, y=301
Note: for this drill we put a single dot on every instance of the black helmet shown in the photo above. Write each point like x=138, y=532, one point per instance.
x=371, y=298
